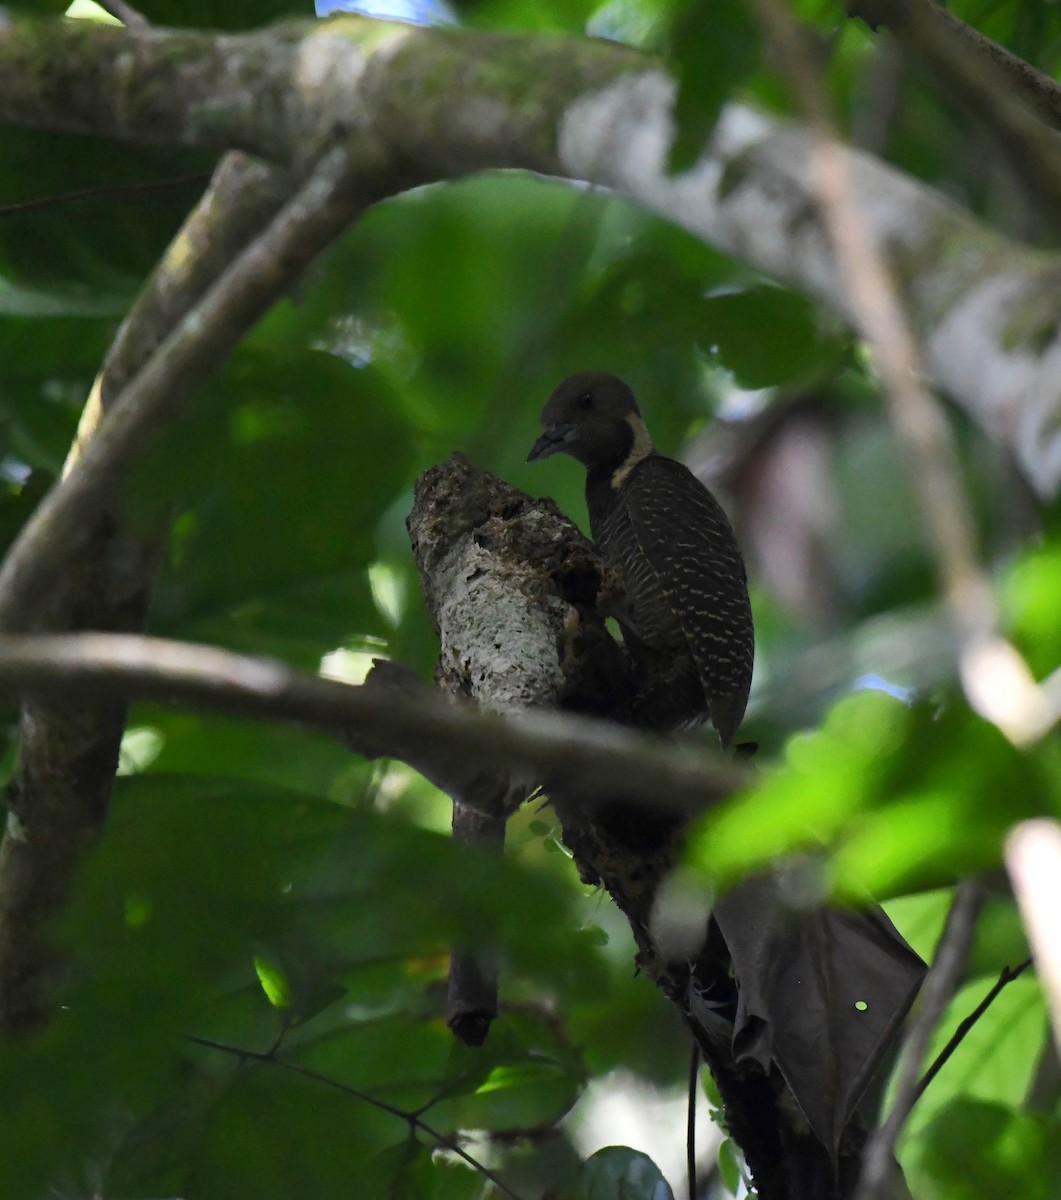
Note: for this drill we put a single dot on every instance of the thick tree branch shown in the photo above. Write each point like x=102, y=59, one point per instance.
x=984, y=308
x=604, y=759
x=289, y=92
x=163, y=96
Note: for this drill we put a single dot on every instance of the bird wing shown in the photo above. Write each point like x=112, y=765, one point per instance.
x=693, y=563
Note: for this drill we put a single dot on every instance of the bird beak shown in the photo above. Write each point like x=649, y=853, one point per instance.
x=551, y=441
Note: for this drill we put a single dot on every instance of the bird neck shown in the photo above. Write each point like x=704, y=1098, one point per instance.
x=640, y=448
x=631, y=446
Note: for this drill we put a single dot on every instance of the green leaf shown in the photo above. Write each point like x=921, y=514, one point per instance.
x=199, y=882
x=618, y=1173
x=713, y=48
x=452, y=1180
x=828, y=776
x=274, y=982
x=213, y=745
x=1030, y=591
x=19, y=300
x=293, y=458
x=943, y=804
x=274, y=1135
x=729, y=1165
x=767, y=336
x=921, y=917
x=96, y=246
x=526, y=1076
x=44, y=8
x=904, y=798
x=530, y=16
x=405, y=1169
x=974, y=1149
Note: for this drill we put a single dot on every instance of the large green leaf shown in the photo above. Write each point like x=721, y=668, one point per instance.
x=211, y=745
x=284, y=468
x=103, y=243
x=975, y=1149
x=200, y=885
x=767, y=336
x=997, y=1059
x=274, y=1135
x=904, y=798
x=713, y=47
x=567, y=16
x=618, y=1173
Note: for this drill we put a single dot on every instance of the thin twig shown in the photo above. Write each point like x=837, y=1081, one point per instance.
x=923, y=24
x=690, y=1126
x=942, y=981
x=412, y=1119
x=317, y=213
x=109, y=191
x=922, y=429
x=599, y=758
x=130, y=17
x=992, y=91
x=1005, y=976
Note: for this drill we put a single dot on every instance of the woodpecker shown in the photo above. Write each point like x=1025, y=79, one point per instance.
x=685, y=615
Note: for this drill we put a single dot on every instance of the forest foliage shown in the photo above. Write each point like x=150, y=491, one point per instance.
x=258, y=944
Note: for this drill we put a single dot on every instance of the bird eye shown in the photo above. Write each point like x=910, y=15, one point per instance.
x=585, y=400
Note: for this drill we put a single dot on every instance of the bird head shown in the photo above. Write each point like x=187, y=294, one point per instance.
x=594, y=417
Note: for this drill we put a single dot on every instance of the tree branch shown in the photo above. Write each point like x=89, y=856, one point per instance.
x=1009, y=97
x=604, y=759
x=918, y=419
x=290, y=92
x=130, y=17
x=985, y=308
x=958, y=53
x=1005, y=977
x=753, y=194
x=919, y=423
